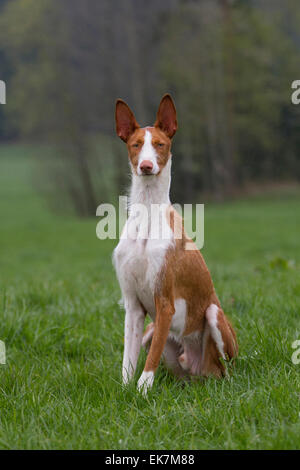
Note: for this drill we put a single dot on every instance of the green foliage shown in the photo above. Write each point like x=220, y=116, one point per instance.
x=229, y=65
x=231, y=72
x=282, y=263
x=25, y=35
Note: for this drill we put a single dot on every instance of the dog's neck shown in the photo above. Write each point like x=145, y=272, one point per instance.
x=149, y=190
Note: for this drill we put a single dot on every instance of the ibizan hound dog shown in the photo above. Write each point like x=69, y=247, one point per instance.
x=157, y=274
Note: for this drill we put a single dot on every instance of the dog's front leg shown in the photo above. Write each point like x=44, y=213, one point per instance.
x=134, y=325
x=164, y=313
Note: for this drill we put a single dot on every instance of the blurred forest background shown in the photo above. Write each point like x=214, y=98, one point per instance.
x=228, y=64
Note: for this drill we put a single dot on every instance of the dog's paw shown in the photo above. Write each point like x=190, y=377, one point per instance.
x=145, y=382
x=184, y=362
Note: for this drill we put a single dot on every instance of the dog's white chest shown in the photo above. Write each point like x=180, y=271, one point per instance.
x=138, y=261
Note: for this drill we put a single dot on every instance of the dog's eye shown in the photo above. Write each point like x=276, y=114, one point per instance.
x=159, y=144
x=135, y=145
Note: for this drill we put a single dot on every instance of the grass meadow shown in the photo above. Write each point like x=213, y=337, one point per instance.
x=63, y=328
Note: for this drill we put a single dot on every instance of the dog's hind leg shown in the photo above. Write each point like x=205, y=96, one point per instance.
x=219, y=342
x=190, y=359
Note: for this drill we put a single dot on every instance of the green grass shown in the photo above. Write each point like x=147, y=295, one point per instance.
x=63, y=329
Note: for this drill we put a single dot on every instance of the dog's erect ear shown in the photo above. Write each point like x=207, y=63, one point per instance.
x=166, y=116
x=125, y=120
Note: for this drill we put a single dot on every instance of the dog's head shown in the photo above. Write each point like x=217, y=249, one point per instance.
x=148, y=147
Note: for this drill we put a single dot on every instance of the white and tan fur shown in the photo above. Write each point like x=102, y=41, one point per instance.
x=157, y=275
